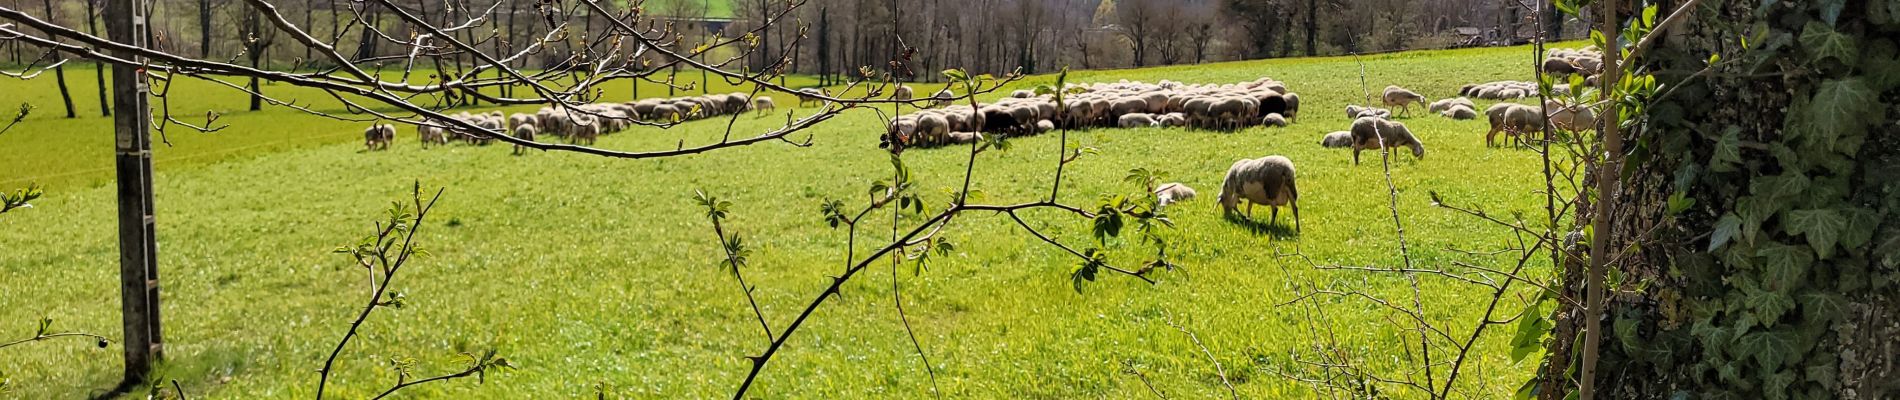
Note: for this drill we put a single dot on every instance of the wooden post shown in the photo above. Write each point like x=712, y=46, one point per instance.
x=138, y=258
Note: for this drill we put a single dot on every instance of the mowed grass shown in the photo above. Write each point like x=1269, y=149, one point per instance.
x=588, y=271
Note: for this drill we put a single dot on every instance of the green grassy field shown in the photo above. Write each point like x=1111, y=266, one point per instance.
x=585, y=270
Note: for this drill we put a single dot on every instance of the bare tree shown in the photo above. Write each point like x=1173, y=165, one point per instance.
x=1138, y=20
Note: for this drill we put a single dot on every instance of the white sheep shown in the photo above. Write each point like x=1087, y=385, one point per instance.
x=1172, y=120
x=1446, y=104
x=1045, y=126
x=431, y=135
x=1022, y=94
x=1379, y=133
x=1513, y=120
x=1274, y=121
x=1459, y=112
x=1173, y=192
x=763, y=104
x=523, y=132
x=902, y=93
x=809, y=96
x=943, y=98
x=1266, y=181
x=1571, y=117
x=1356, y=112
x=1403, y=98
x=1337, y=139
x=1292, y=106
x=1136, y=120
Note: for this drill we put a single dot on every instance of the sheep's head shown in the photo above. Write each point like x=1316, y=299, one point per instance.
x=1418, y=150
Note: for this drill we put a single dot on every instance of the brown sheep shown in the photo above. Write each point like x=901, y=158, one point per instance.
x=1402, y=98
x=1377, y=133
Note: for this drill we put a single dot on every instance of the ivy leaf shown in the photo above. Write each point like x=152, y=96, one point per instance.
x=1775, y=385
x=1860, y=227
x=1831, y=11
x=1881, y=62
x=1785, y=265
x=1841, y=106
x=1725, y=230
x=1822, y=307
x=1768, y=305
x=1728, y=151
x=1769, y=348
x=1823, y=42
x=1822, y=228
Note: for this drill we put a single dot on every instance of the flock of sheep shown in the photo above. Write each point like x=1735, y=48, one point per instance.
x=580, y=124
x=1268, y=181
x=1124, y=104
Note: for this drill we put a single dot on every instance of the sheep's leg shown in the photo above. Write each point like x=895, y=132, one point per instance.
x=1296, y=216
x=1276, y=215
x=1249, y=211
x=1355, y=154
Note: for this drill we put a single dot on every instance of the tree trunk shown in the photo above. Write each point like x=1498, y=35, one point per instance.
x=59, y=72
x=204, y=28
x=1312, y=26
x=99, y=68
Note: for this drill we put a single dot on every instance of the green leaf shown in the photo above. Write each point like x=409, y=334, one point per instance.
x=1822, y=306
x=1728, y=151
x=1861, y=223
x=1679, y=203
x=1841, y=107
x=1725, y=229
x=1774, y=386
x=1769, y=349
x=1785, y=266
x=1822, y=228
x=1831, y=10
x=1880, y=63
x=1823, y=43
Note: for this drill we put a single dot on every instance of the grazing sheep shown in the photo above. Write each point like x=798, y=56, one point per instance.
x=431, y=135
x=584, y=132
x=1571, y=117
x=1292, y=106
x=1459, y=112
x=1356, y=112
x=932, y=129
x=1136, y=120
x=1172, y=120
x=736, y=102
x=1377, y=133
x=523, y=132
x=1174, y=192
x=1045, y=125
x=902, y=93
x=1403, y=98
x=1559, y=67
x=809, y=96
x=1337, y=139
x=961, y=137
x=943, y=98
x=763, y=105
x=1022, y=94
x=1513, y=120
x=1266, y=181
x=377, y=137
x=1446, y=104
x=1274, y=121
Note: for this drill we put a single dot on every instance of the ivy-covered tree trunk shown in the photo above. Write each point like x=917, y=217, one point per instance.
x=1762, y=206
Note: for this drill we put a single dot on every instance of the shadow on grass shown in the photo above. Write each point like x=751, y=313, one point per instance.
x=1260, y=227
